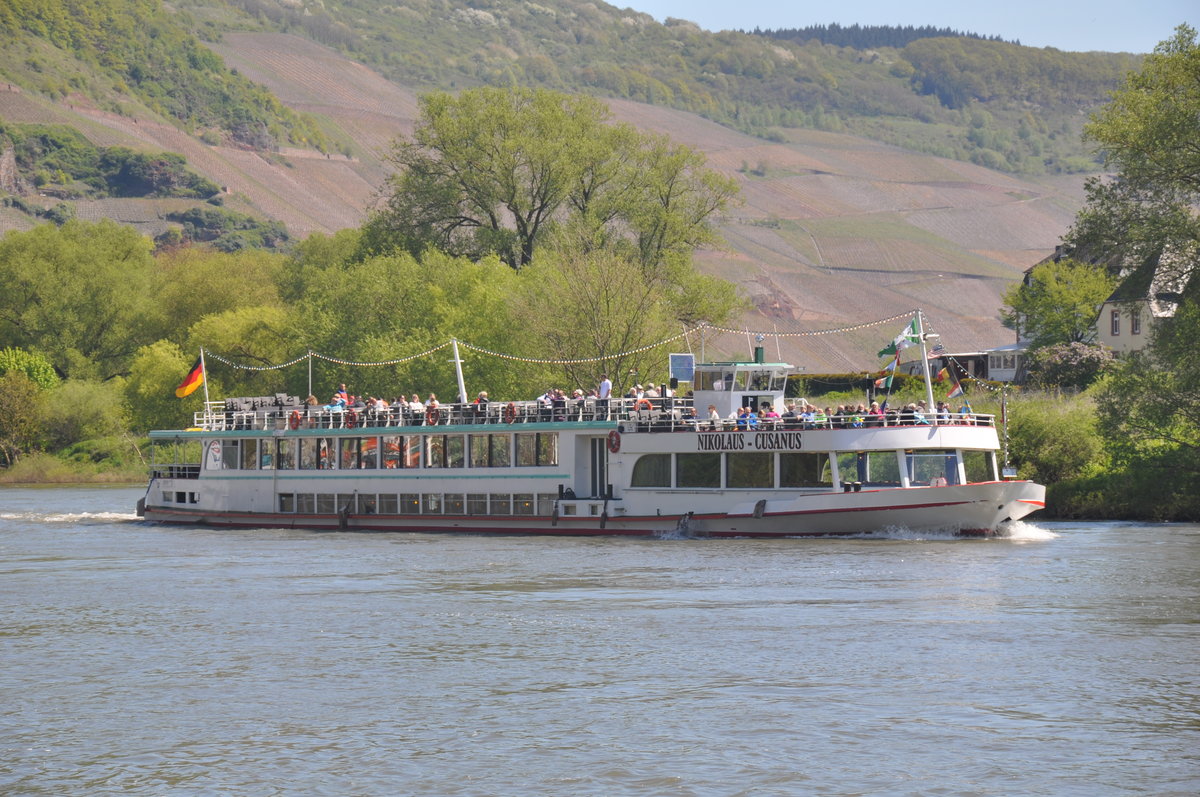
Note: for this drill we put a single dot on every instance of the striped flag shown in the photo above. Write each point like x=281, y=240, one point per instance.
x=942, y=374
x=936, y=351
x=193, y=380
x=957, y=390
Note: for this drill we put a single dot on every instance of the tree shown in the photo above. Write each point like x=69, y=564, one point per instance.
x=1070, y=365
x=80, y=294
x=21, y=403
x=33, y=365
x=1150, y=413
x=1057, y=302
x=495, y=171
x=1147, y=135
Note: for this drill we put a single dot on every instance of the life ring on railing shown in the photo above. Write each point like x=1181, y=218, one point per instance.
x=643, y=404
x=510, y=413
x=294, y=419
x=351, y=419
x=432, y=417
x=614, y=441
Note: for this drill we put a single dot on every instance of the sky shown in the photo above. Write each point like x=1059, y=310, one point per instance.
x=1072, y=25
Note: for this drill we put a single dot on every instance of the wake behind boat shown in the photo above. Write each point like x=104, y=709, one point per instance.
x=649, y=466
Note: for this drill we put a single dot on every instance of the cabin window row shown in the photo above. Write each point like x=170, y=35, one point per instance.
x=530, y=449
x=516, y=504
x=791, y=470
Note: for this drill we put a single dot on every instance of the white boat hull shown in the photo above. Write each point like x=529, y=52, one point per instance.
x=972, y=509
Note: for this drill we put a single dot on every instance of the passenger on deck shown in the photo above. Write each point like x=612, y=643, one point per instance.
x=714, y=417
x=746, y=419
x=651, y=392
x=874, y=415
x=768, y=412
x=343, y=393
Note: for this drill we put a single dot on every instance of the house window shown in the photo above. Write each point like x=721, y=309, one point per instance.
x=1116, y=323
x=1135, y=322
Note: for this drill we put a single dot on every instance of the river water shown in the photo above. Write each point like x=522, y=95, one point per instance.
x=141, y=659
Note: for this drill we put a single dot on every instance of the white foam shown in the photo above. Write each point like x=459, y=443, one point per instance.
x=1020, y=531
x=69, y=517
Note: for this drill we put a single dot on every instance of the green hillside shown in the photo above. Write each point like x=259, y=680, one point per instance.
x=133, y=55
x=989, y=102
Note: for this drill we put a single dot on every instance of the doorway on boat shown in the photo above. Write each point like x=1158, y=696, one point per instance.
x=593, y=477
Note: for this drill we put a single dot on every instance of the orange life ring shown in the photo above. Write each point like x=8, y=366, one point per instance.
x=614, y=441
x=294, y=419
x=351, y=419
x=643, y=404
x=432, y=417
x=510, y=413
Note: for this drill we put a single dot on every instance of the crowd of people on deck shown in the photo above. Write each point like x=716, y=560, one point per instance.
x=556, y=404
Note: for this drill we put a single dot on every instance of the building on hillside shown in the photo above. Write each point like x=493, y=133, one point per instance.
x=1145, y=295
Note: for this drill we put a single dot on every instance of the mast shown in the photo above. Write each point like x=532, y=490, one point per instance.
x=462, y=387
x=925, y=359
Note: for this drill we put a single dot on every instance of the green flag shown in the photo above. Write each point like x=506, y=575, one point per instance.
x=909, y=337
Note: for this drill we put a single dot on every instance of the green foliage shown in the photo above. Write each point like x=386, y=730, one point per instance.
x=78, y=294
x=1054, y=437
x=39, y=369
x=1148, y=135
x=21, y=403
x=752, y=83
x=1057, y=302
x=229, y=231
x=59, y=154
x=146, y=49
x=494, y=171
x=150, y=389
x=82, y=410
x=1150, y=406
x=1068, y=365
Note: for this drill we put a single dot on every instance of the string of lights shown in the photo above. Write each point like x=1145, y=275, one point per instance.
x=548, y=361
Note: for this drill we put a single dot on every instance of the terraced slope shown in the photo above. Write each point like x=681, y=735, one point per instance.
x=834, y=230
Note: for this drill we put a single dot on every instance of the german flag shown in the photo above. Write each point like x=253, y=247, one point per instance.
x=193, y=380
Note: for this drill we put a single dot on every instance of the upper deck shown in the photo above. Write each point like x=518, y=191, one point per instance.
x=273, y=413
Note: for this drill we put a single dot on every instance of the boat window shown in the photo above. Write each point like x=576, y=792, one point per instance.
x=410, y=504
x=305, y=504
x=924, y=466
x=326, y=453
x=698, y=470
x=980, y=466
x=546, y=503
x=249, y=455
x=798, y=469
x=477, y=503
x=287, y=502
x=454, y=451
x=349, y=449
x=390, y=451
x=709, y=380
x=526, y=450
x=500, y=504
x=230, y=454
x=368, y=453
x=435, y=451
x=547, y=448
x=432, y=504
x=779, y=381
x=286, y=454
x=326, y=504
x=735, y=380
x=266, y=456
x=652, y=470
x=366, y=504
x=750, y=470
x=314, y=453
x=522, y=503
x=501, y=450
x=387, y=503
x=759, y=380
x=453, y=504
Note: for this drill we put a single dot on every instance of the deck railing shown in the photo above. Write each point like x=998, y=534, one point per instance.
x=663, y=415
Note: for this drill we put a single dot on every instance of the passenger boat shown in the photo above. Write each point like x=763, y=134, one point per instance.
x=585, y=467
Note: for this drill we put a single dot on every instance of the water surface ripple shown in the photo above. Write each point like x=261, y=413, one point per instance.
x=142, y=659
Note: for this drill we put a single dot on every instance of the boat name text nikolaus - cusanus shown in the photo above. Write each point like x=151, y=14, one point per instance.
x=756, y=441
